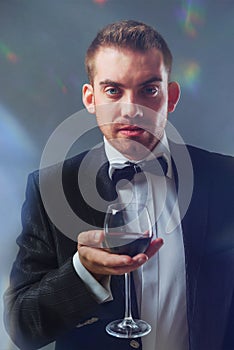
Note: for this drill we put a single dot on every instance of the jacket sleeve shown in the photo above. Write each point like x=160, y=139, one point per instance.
x=46, y=296
x=229, y=336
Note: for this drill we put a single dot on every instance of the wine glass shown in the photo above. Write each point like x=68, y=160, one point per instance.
x=128, y=231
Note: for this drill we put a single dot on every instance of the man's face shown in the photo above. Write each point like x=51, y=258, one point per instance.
x=131, y=98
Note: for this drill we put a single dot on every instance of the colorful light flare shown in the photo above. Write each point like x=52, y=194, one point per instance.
x=62, y=86
x=188, y=75
x=100, y=2
x=191, y=17
x=9, y=55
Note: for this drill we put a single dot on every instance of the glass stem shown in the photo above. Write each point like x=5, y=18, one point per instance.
x=128, y=309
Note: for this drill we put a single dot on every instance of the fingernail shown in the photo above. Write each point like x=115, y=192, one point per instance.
x=127, y=262
x=143, y=260
x=161, y=242
x=96, y=237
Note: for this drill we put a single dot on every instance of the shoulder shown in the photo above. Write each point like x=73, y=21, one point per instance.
x=211, y=161
x=216, y=169
x=203, y=154
x=69, y=165
x=212, y=169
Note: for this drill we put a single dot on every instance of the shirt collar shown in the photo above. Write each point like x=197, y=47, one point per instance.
x=117, y=160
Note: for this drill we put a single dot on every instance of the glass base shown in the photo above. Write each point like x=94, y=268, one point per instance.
x=128, y=328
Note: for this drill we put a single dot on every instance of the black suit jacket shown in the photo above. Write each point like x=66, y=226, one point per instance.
x=47, y=301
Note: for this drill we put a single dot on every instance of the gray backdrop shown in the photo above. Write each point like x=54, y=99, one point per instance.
x=42, y=48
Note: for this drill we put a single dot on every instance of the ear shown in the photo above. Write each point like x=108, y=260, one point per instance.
x=88, y=98
x=173, y=95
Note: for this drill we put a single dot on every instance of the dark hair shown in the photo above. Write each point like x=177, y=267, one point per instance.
x=128, y=34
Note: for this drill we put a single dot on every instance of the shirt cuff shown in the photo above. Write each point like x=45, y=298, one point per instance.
x=101, y=291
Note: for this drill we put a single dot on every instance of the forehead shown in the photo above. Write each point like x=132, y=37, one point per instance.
x=121, y=61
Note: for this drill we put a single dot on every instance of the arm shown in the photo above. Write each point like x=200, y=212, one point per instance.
x=100, y=262
x=45, y=297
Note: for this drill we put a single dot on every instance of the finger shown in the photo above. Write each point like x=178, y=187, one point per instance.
x=140, y=259
x=103, y=257
x=113, y=265
x=102, y=262
x=91, y=238
x=154, y=247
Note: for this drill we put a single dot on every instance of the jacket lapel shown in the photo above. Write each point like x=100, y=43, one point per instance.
x=199, y=265
x=194, y=226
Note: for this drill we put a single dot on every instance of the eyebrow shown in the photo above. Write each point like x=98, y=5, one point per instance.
x=151, y=80
x=110, y=82
x=114, y=83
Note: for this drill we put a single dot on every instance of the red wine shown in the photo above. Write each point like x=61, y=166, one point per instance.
x=127, y=243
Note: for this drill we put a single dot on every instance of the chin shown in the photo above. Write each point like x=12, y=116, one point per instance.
x=132, y=148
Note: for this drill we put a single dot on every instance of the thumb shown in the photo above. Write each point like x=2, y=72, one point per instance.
x=91, y=238
x=154, y=247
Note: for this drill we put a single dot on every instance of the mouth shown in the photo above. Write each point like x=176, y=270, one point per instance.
x=131, y=130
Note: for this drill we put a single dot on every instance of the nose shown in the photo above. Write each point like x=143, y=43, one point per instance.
x=130, y=109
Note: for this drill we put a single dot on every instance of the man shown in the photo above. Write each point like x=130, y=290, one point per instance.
x=184, y=281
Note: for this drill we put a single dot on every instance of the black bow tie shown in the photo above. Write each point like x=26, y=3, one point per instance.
x=156, y=166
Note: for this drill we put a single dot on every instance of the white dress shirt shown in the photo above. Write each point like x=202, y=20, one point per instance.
x=160, y=282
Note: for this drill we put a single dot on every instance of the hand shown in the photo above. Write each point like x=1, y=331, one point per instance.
x=100, y=261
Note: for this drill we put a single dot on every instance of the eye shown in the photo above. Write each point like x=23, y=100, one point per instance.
x=112, y=91
x=150, y=90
